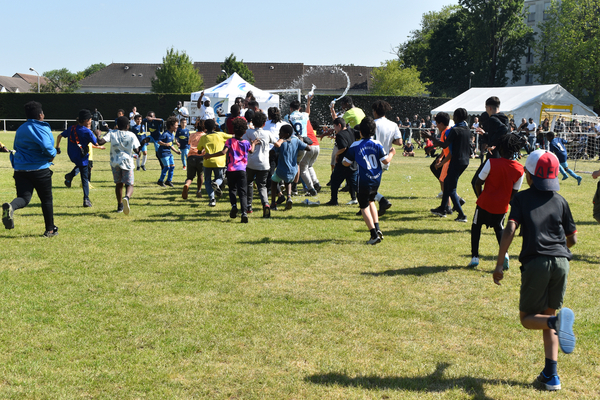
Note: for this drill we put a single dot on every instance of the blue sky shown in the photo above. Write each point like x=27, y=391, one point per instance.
x=57, y=34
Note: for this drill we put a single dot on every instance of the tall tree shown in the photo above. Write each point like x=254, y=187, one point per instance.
x=568, y=48
x=487, y=37
x=59, y=80
x=231, y=65
x=498, y=38
x=392, y=80
x=177, y=74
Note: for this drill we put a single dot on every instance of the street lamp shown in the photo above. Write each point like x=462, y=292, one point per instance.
x=38, y=74
x=470, y=76
x=225, y=72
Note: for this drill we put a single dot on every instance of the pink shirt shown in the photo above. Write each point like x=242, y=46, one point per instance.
x=237, y=154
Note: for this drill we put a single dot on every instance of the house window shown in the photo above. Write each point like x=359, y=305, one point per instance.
x=531, y=17
x=547, y=7
x=529, y=56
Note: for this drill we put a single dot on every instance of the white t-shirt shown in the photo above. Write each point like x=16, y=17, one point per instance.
x=206, y=112
x=531, y=128
x=183, y=113
x=386, y=132
x=259, y=160
x=274, y=128
x=122, y=144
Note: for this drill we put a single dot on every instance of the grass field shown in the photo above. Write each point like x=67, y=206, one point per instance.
x=178, y=301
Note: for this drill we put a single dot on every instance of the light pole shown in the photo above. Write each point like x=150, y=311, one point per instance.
x=38, y=74
x=470, y=76
x=225, y=72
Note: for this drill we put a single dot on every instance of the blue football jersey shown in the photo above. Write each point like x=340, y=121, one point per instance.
x=368, y=154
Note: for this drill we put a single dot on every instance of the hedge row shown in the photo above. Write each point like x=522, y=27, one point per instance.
x=67, y=105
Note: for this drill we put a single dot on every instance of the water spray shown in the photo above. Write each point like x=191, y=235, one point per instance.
x=311, y=93
x=347, y=86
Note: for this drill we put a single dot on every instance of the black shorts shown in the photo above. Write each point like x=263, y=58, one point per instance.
x=366, y=195
x=488, y=219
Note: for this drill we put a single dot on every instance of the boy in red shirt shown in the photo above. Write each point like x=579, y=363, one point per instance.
x=503, y=178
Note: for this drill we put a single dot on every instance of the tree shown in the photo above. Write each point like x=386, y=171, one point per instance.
x=92, y=69
x=488, y=37
x=392, y=80
x=177, y=74
x=231, y=65
x=498, y=38
x=58, y=80
x=568, y=49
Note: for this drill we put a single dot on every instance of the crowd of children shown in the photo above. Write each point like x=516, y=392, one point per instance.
x=268, y=152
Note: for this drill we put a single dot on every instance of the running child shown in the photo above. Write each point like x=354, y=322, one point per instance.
x=140, y=133
x=194, y=161
x=236, y=149
x=165, y=145
x=287, y=147
x=213, y=142
x=369, y=154
x=548, y=232
x=183, y=139
x=558, y=148
x=503, y=178
x=123, y=144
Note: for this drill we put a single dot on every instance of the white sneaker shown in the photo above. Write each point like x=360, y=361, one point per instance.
x=474, y=262
x=440, y=195
x=352, y=202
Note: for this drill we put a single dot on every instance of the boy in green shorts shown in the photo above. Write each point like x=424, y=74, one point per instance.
x=548, y=232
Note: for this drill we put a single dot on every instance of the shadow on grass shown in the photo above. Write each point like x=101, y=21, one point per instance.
x=268, y=240
x=433, y=383
x=418, y=271
x=586, y=258
x=424, y=231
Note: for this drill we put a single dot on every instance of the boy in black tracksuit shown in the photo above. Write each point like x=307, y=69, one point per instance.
x=492, y=127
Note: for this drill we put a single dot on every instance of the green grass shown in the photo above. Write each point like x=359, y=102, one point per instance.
x=178, y=301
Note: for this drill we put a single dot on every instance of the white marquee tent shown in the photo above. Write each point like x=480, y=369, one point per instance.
x=223, y=95
x=535, y=101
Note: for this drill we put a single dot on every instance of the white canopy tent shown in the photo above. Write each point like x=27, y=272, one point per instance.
x=536, y=101
x=223, y=95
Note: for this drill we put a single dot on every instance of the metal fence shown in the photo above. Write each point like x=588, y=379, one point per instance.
x=66, y=121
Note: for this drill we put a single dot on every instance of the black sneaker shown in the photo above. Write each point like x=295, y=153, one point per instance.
x=273, y=207
x=67, y=183
x=120, y=208
x=359, y=213
x=345, y=189
x=281, y=199
x=51, y=233
x=169, y=183
x=439, y=211
x=311, y=193
x=138, y=168
x=289, y=204
x=374, y=240
x=126, y=208
x=8, y=216
x=317, y=187
x=331, y=203
x=266, y=211
x=384, y=204
x=212, y=203
x=87, y=203
x=380, y=234
x=233, y=212
x=328, y=183
x=143, y=167
x=216, y=188
x=461, y=218
x=244, y=218
x=161, y=183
